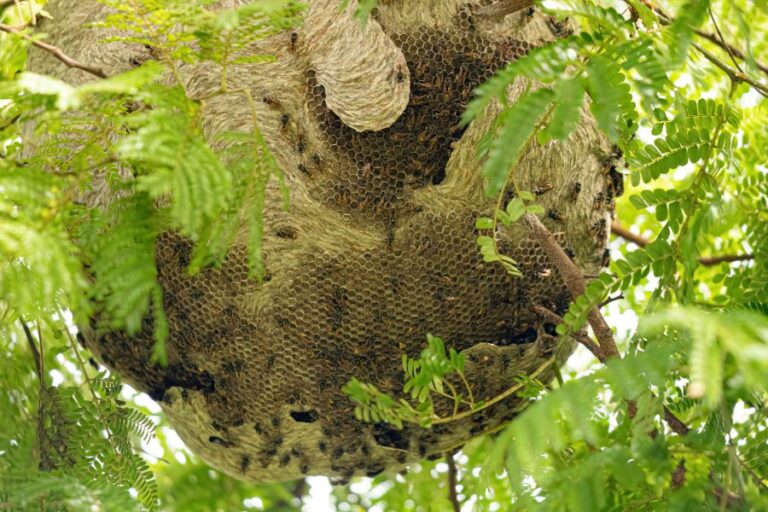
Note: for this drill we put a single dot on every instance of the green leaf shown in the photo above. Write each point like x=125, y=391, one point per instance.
x=484, y=223
x=515, y=209
x=567, y=112
x=680, y=33
x=612, y=103
x=517, y=126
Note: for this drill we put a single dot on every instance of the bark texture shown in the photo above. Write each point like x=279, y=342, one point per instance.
x=377, y=247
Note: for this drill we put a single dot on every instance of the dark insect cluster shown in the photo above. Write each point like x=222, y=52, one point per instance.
x=373, y=171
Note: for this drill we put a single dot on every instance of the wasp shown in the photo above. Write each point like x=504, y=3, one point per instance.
x=574, y=191
x=599, y=198
x=219, y=441
x=284, y=120
x=271, y=102
x=598, y=229
x=606, y=258
x=554, y=215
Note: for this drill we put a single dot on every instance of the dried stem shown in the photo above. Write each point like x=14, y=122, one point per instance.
x=35, y=352
x=453, y=480
x=55, y=51
x=707, y=261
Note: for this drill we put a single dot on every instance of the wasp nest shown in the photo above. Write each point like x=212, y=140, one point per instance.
x=377, y=248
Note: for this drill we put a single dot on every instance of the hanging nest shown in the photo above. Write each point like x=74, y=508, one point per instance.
x=376, y=250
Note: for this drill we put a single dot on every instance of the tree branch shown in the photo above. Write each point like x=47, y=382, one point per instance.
x=573, y=281
x=575, y=284
x=620, y=231
x=724, y=45
x=707, y=261
x=611, y=299
x=501, y=8
x=55, y=51
x=678, y=477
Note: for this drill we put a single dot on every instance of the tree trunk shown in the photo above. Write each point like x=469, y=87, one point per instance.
x=378, y=245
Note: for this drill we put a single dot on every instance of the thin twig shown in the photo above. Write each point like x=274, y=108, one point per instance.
x=55, y=51
x=759, y=480
x=498, y=398
x=453, y=480
x=156, y=457
x=35, y=352
x=501, y=8
x=611, y=299
x=730, y=48
x=581, y=337
x=707, y=261
x=666, y=19
x=733, y=74
x=710, y=261
x=722, y=40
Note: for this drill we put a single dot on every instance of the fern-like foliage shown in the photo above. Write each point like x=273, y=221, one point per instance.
x=133, y=150
x=516, y=127
x=438, y=373
x=172, y=160
x=124, y=268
